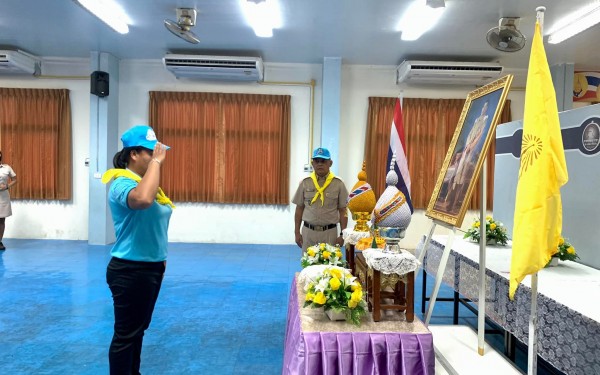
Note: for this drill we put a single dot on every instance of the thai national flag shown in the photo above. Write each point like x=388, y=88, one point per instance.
x=398, y=146
x=589, y=89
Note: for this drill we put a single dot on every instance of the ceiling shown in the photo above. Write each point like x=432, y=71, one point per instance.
x=358, y=31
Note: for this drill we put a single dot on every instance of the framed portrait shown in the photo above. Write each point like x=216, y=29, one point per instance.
x=466, y=154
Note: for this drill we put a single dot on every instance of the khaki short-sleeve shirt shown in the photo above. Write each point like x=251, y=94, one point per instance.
x=316, y=213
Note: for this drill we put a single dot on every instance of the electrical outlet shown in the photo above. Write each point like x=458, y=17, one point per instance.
x=307, y=168
x=97, y=175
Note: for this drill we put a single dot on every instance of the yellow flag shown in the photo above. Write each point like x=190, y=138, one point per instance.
x=538, y=208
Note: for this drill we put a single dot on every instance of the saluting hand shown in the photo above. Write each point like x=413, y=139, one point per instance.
x=160, y=152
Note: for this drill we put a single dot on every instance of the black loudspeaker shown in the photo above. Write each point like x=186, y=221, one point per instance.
x=99, y=83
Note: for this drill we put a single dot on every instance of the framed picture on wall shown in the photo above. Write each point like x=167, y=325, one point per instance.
x=468, y=148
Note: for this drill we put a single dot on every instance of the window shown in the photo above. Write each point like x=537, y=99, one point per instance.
x=226, y=148
x=35, y=140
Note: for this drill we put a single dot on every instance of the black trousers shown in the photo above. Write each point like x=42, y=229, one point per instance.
x=134, y=287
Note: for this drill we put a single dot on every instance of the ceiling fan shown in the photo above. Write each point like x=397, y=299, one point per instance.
x=506, y=37
x=186, y=19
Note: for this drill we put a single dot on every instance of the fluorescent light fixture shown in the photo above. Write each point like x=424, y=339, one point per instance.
x=109, y=12
x=262, y=15
x=418, y=19
x=575, y=23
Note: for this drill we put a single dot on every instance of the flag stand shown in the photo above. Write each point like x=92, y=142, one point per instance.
x=532, y=344
x=532, y=340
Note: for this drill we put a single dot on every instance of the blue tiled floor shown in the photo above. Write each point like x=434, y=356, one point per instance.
x=222, y=309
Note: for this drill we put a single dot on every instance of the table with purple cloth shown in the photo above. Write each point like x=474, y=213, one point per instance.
x=315, y=345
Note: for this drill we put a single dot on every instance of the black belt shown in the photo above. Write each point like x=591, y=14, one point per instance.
x=319, y=228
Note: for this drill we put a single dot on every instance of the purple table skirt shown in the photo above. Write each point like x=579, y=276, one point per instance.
x=359, y=353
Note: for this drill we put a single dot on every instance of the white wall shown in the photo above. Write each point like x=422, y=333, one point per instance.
x=218, y=222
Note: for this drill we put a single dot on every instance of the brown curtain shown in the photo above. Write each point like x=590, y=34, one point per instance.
x=429, y=125
x=227, y=148
x=35, y=139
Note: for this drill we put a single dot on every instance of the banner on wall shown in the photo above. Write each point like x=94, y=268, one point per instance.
x=586, y=87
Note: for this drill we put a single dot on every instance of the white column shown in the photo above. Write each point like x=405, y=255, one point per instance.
x=562, y=78
x=330, y=108
x=104, y=143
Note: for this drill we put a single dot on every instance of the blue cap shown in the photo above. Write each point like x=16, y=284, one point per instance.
x=321, y=153
x=140, y=135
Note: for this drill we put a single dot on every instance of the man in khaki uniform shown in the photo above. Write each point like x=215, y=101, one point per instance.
x=321, y=204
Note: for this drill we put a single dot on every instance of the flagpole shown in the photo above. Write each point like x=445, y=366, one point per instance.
x=532, y=347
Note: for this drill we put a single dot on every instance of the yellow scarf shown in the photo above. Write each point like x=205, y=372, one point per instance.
x=161, y=197
x=321, y=190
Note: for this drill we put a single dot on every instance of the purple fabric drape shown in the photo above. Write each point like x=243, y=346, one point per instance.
x=359, y=353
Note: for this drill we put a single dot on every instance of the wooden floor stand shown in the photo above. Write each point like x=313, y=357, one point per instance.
x=376, y=284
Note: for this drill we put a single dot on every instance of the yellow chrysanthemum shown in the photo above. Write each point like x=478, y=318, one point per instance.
x=309, y=296
x=335, y=273
x=488, y=218
x=322, y=246
x=571, y=250
x=319, y=298
x=310, y=252
x=352, y=304
x=561, y=241
x=335, y=283
x=476, y=225
x=326, y=254
x=338, y=254
x=356, y=286
x=492, y=226
x=356, y=295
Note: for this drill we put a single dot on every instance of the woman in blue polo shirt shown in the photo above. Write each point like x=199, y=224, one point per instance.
x=141, y=213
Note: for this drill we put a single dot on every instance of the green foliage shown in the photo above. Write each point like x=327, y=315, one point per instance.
x=566, y=251
x=322, y=254
x=494, y=230
x=338, y=290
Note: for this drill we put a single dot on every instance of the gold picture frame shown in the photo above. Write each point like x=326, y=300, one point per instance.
x=467, y=151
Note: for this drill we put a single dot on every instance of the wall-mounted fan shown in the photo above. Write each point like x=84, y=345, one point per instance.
x=506, y=37
x=186, y=19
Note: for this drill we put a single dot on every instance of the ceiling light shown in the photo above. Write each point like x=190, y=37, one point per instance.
x=575, y=23
x=418, y=19
x=109, y=12
x=435, y=3
x=262, y=15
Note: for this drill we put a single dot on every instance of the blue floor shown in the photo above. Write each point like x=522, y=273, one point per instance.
x=221, y=310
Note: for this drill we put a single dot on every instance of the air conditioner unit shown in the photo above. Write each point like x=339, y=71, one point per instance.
x=445, y=72
x=230, y=68
x=18, y=62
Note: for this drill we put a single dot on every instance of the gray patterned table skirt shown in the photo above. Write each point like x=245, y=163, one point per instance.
x=567, y=339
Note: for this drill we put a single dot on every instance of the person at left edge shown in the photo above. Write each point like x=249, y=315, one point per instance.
x=321, y=204
x=141, y=213
x=8, y=178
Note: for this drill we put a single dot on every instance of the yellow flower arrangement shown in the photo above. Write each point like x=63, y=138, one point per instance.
x=494, y=230
x=565, y=251
x=322, y=254
x=338, y=290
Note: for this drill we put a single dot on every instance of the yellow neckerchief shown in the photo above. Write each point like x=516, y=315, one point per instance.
x=321, y=190
x=161, y=197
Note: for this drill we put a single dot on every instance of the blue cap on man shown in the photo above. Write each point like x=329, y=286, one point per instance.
x=140, y=135
x=321, y=153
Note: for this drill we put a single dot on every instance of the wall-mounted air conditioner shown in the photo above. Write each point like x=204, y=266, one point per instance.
x=229, y=68
x=447, y=72
x=18, y=62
